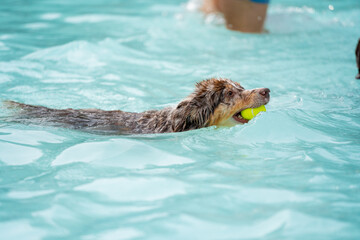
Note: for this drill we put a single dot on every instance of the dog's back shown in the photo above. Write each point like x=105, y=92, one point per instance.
x=84, y=119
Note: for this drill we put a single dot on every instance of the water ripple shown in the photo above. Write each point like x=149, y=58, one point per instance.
x=134, y=189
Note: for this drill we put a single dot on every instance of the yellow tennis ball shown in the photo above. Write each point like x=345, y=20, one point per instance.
x=250, y=113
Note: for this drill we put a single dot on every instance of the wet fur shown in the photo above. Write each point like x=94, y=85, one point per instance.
x=213, y=102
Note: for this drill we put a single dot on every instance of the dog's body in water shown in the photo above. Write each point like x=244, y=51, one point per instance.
x=215, y=102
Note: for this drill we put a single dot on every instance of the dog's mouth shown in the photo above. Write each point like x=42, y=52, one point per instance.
x=237, y=117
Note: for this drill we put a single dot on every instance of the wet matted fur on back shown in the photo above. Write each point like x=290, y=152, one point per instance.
x=215, y=102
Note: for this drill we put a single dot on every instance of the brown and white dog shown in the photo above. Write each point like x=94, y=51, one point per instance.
x=215, y=102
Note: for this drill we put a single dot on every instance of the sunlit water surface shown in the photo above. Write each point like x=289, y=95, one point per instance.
x=292, y=173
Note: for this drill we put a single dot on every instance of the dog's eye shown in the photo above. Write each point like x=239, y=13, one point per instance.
x=230, y=93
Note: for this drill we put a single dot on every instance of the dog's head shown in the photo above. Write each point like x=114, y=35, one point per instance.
x=216, y=102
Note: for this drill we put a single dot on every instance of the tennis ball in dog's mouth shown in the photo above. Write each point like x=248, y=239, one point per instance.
x=250, y=113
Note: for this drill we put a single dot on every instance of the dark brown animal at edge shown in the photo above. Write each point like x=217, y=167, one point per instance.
x=215, y=102
x=357, y=54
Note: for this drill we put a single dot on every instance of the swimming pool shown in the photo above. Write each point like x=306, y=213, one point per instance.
x=291, y=173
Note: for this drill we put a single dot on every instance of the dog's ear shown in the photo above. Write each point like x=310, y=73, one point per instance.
x=195, y=111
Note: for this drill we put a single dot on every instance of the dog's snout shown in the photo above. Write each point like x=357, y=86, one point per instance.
x=264, y=92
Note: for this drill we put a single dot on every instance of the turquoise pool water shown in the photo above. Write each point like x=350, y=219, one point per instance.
x=292, y=173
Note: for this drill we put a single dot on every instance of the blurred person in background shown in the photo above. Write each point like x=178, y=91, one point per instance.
x=240, y=15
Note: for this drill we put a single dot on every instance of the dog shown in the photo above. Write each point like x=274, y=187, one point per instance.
x=215, y=102
x=357, y=55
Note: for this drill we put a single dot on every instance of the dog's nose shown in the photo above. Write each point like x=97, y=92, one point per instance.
x=264, y=92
